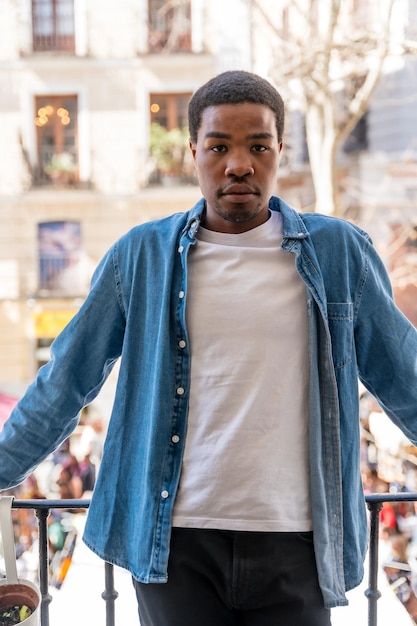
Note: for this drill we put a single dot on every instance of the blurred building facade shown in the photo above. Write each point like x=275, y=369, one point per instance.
x=81, y=83
x=86, y=88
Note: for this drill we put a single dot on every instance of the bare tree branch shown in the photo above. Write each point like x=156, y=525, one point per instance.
x=328, y=65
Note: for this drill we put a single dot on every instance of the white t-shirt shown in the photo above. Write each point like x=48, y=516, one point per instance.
x=245, y=463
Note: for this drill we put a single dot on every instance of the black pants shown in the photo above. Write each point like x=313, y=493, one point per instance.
x=229, y=578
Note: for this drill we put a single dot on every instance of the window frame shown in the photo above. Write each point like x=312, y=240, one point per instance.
x=55, y=39
x=162, y=17
x=64, y=169
x=172, y=108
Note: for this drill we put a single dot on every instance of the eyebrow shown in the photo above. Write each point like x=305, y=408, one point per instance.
x=218, y=135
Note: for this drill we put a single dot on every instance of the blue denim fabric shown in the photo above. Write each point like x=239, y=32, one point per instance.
x=136, y=311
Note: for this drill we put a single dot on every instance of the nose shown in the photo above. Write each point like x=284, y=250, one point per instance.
x=239, y=164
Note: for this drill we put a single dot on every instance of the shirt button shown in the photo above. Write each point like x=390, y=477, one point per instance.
x=181, y=294
x=175, y=439
x=182, y=343
x=164, y=494
x=181, y=249
x=180, y=391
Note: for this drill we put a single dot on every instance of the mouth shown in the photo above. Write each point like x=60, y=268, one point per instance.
x=238, y=193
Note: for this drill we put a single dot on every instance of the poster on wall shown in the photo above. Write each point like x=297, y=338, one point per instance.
x=60, y=256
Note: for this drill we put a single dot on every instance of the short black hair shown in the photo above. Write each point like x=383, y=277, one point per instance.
x=234, y=87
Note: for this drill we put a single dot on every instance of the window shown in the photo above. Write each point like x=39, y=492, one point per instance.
x=56, y=134
x=358, y=138
x=169, y=149
x=53, y=25
x=169, y=25
x=170, y=109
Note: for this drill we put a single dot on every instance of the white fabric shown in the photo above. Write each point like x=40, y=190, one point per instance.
x=245, y=464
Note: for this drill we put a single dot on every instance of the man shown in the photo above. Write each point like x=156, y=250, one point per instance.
x=230, y=484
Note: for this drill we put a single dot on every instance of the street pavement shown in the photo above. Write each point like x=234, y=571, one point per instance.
x=79, y=600
x=389, y=609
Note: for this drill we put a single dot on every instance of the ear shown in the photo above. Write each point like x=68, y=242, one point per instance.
x=280, y=147
x=193, y=148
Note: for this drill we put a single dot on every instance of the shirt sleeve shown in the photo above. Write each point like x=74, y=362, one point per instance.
x=386, y=348
x=82, y=357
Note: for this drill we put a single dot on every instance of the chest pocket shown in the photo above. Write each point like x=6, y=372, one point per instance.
x=340, y=316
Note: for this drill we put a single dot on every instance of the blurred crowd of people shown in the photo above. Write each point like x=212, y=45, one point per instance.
x=69, y=473
x=389, y=465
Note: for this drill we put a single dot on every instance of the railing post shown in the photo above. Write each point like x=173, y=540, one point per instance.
x=372, y=593
x=42, y=515
x=109, y=594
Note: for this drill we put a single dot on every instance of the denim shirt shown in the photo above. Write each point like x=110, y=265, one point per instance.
x=136, y=310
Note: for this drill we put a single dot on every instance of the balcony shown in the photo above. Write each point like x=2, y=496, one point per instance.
x=109, y=595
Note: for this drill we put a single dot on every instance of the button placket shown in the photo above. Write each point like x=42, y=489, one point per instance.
x=180, y=391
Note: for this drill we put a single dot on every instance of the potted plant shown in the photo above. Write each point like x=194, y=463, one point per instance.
x=169, y=151
x=20, y=600
x=62, y=168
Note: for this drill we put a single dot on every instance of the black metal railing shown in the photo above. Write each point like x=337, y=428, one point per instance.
x=374, y=503
x=42, y=509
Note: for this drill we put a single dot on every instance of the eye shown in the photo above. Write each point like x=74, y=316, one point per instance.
x=218, y=148
x=259, y=148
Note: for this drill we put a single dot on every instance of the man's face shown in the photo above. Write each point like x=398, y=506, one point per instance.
x=237, y=158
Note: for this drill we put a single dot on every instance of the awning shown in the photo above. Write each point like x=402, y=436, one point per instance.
x=7, y=403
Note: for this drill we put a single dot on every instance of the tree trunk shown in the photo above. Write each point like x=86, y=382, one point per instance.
x=322, y=143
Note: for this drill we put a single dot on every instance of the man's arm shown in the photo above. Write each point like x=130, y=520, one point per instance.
x=82, y=357
x=386, y=345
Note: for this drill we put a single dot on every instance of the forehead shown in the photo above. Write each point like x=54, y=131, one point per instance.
x=245, y=117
